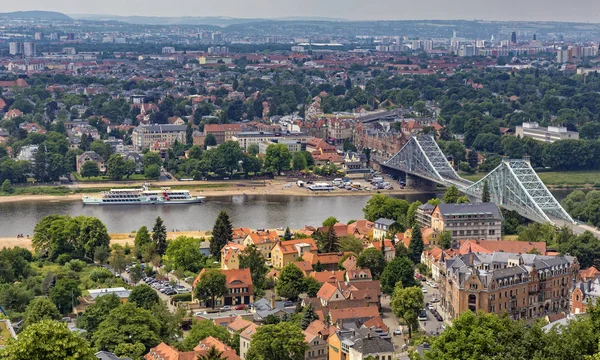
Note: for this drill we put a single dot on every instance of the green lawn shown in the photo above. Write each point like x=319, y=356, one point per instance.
x=558, y=179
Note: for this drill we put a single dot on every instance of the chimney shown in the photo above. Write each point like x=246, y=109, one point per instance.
x=273, y=301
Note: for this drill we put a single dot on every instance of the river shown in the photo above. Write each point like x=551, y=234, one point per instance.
x=254, y=211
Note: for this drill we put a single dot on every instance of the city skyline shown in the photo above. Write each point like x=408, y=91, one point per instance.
x=528, y=10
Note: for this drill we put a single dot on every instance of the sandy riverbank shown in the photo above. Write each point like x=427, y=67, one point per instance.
x=117, y=238
x=274, y=187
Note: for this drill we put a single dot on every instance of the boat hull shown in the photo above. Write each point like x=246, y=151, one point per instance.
x=97, y=201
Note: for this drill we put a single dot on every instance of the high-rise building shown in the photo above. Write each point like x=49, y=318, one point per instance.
x=15, y=48
x=513, y=37
x=168, y=50
x=29, y=48
x=38, y=36
x=534, y=37
x=427, y=45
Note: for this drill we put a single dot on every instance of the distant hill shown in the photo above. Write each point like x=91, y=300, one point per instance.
x=48, y=15
x=163, y=20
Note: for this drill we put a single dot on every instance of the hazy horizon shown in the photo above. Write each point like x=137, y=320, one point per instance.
x=509, y=10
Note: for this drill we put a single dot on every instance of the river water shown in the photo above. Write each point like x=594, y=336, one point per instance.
x=254, y=211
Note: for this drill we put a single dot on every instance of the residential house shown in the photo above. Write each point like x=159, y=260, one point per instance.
x=548, y=134
x=330, y=276
x=230, y=256
x=349, y=263
x=238, y=325
x=430, y=237
x=390, y=250
x=423, y=215
x=166, y=352
x=240, y=234
x=240, y=290
x=105, y=355
x=358, y=275
x=264, y=240
x=329, y=292
x=13, y=113
x=523, y=285
x=317, y=346
x=469, y=221
x=381, y=228
x=198, y=138
x=246, y=339
x=590, y=273
x=329, y=261
x=223, y=132
x=355, y=315
x=583, y=294
x=361, y=229
x=90, y=156
x=145, y=136
x=32, y=128
x=288, y=251
x=372, y=345
x=27, y=153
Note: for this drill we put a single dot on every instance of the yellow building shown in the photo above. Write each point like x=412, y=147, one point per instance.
x=263, y=240
x=230, y=256
x=335, y=347
x=288, y=251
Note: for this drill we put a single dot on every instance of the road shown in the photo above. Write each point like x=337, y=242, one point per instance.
x=432, y=326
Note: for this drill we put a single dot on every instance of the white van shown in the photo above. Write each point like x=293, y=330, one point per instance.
x=377, y=179
x=300, y=183
x=337, y=181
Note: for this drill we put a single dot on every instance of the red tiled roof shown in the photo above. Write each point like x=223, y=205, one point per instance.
x=491, y=246
x=289, y=246
x=328, y=276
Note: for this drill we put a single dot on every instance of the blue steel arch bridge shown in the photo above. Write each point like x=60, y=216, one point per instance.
x=513, y=185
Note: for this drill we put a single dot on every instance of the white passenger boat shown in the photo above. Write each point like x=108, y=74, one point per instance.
x=142, y=196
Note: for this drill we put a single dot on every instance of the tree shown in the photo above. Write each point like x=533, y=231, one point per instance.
x=308, y=316
x=299, y=161
x=64, y=294
x=159, y=236
x=152, y=171
x=446, y=239
x=222, y=234
x=116, y=167
x=311, y=286
x=142, y=238
x=278, y=158
x=473, y=159
x=231, y=154
x=189, y=134
x=48, y=340
x=15, y=298
x=416, y=245
x=40, y=309
x=283, y=341
x=451, y=195
x=101, y=254
x=129, y=325
x=130, y=168
x=291, y=282
x=381, y=206
x=136, y=273
x=407, y=303
x=330, y=221
x=201, y=330
x=328, y=241
x=401, y=270
x=485, y=194
x=212, y=354
x=287, y=235
x=90, y=169
x=349, y=243
x=143, y=296
x=411, y=213
x=210, y=140
x=252, y=259
x=97, y=313
x=373, y=260
x=183, y=253
x=253, y=149
x=152, y=158
x=7, y=187
x=212, y=285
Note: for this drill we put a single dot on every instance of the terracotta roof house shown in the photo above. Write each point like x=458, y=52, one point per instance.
x=330, y=276
x=238, y=324
x=230, y=255
x=359, y=275
x=356, y=315
x=328, y=260
x=329, y=292
x=350, y=263
x=228, y=353
x=239, y=234
x=264, y=240
x=239, y=284
x=245, y=339
x=290, y=250
x=590, y=273
x=491, y=246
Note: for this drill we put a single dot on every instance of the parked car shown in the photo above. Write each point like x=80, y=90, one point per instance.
x=288, y=303
x=397, y=331
x=424, y=290
x=423, y=315
x=225, y=308
x=435, y=300
x=241, y=307
x=430, y=308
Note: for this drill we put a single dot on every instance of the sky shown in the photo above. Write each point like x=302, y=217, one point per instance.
x=521, y=10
